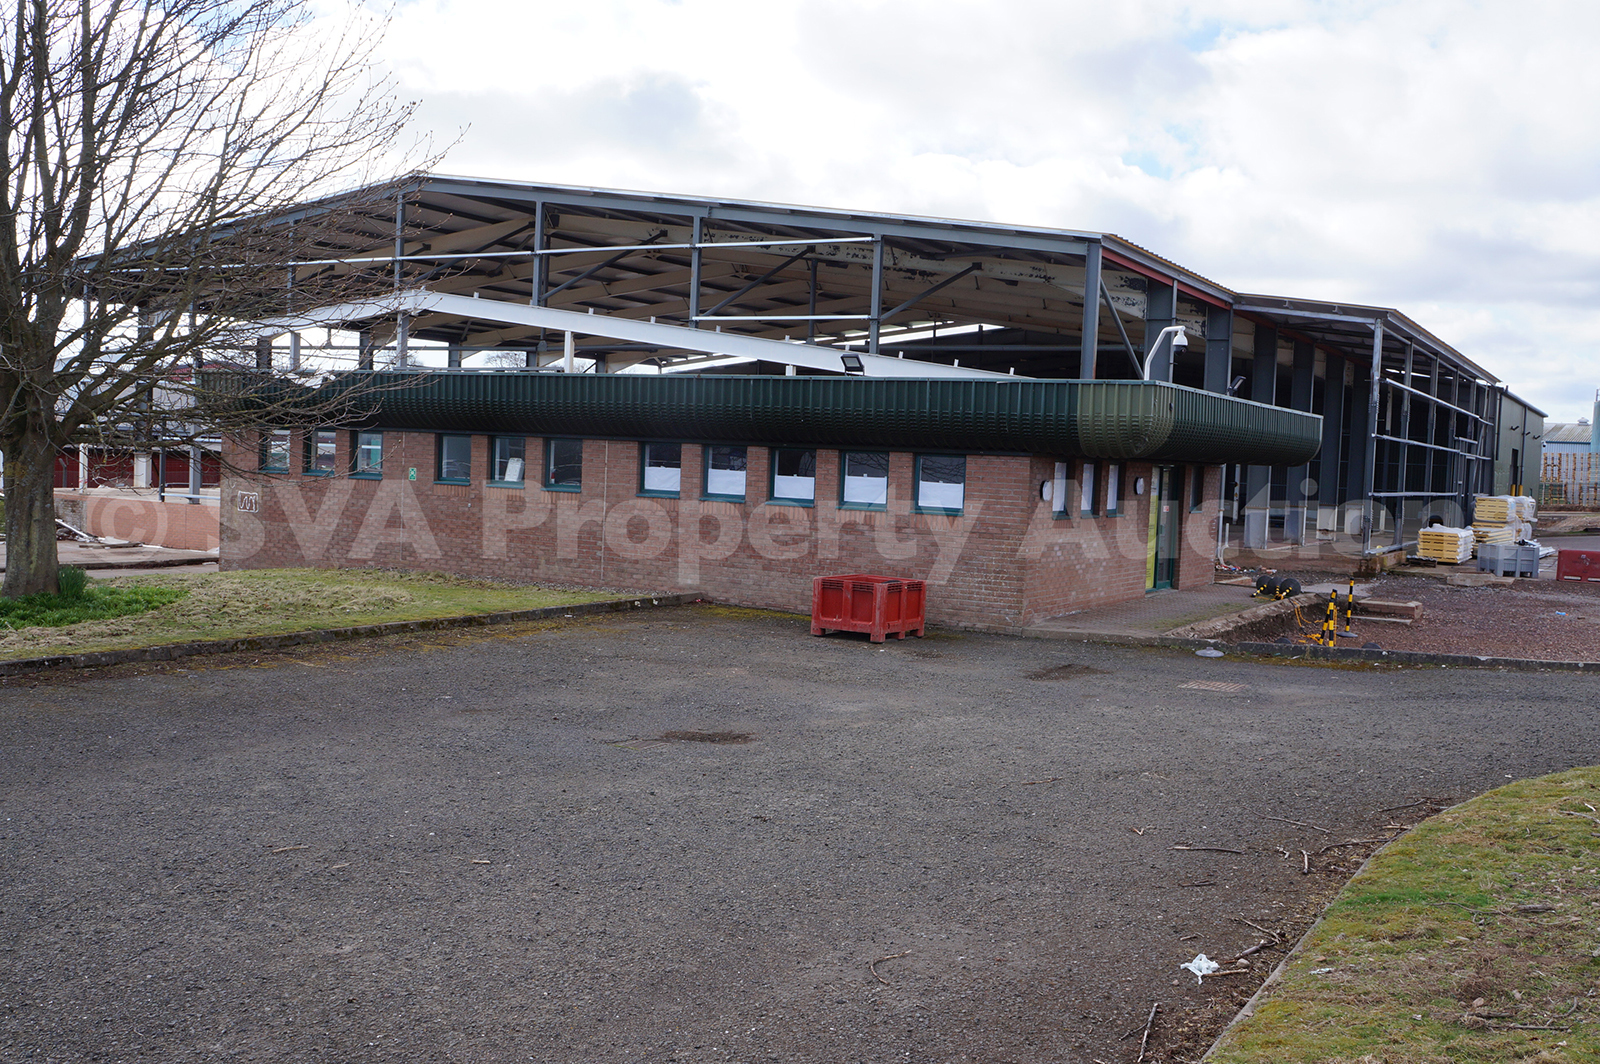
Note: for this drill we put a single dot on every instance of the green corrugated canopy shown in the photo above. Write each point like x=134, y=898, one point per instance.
x=1148, y=420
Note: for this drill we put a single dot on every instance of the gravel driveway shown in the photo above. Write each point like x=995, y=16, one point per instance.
x=478, y=847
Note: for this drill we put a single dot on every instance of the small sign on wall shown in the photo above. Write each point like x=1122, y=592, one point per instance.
x=249, y=502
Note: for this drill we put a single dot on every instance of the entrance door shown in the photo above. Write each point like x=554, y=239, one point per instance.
x=1161, y=569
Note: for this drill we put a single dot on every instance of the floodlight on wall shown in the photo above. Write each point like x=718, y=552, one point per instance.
x=1174, y=334
x=1237, y=381
x=852, y=363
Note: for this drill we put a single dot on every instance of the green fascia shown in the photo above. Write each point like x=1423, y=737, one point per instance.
x=1127, y=420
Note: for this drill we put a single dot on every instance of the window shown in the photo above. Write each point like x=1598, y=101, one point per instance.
x=1113, y=489
x=367, y=454
x=725, y=472
x=1197, y=488
x=455, y=459
x=563, y=465
x=865, y=482
x=321, y=446
x=941, y=482
x=794, y=475
x=1086, y=506
x=275, y=451
x=509, y=454
x=1060, y=488
x=662, y=468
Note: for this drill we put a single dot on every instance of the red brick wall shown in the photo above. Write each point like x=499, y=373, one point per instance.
x=1003, y=560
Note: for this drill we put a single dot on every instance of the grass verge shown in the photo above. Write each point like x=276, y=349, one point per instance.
x=205, y=606
x=1472, y=938
x=91, y=604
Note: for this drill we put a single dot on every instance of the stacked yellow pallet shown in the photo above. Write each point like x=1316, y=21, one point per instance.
x=1441, y=543
x=1494, y=511
x=1496, y=517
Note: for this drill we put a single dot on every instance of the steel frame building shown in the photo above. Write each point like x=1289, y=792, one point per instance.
x=677, y=282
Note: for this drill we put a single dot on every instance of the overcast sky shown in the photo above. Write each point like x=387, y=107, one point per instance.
x=1441, y=157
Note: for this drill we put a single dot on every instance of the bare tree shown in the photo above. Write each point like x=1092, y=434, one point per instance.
x=165, y=162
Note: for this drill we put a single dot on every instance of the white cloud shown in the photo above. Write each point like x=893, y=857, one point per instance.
x=1440, y=156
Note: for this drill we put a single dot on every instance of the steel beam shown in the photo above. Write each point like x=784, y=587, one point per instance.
x=659, y=336
x=947, y=282
x=779, y=268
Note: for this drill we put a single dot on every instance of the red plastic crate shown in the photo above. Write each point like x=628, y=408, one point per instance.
x=1578, y=565
x=880, y=606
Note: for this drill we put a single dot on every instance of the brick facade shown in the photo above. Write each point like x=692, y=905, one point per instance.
x=1005, y=558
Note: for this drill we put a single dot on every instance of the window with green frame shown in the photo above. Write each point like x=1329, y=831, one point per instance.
x=322, y=446
x=366, y=454
x=275, y=451
x=1088, y=505
x=563, y=465
x=794, y=475
x=1113, y=489
x=1061, y=490
x=509, y=455
x=864, y=480
x=660, y=469
x=454, y=459
x=941, y=482
x=725, y=472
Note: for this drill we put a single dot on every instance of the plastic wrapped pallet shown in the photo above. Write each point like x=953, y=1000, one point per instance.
x=1527, y=509
x=1494, y=510
x=1445, y=544
x=1500, y=534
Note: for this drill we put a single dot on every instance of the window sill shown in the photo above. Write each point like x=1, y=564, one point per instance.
x=570, y=489
x=722, y=498
x=660, y=494
x=320, y=473
x=806, y=503
x=517, y=484
x=366, y=476
x=938, y=511
x=452, y=480
x=879, y=506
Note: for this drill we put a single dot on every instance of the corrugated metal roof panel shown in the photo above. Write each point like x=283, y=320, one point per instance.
x=1092, y=419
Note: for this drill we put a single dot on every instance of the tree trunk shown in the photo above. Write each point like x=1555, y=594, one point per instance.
x=31, y=564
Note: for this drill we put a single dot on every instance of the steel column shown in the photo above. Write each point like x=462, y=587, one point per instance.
x=1160, y=312
x=694, y=272
x=541, y=261
x=1089, y=342
x=1258, y=479
x=1332, y=438
x=1305, y=365
x=877, y=295
x=1372, y=437
x=1219, y=349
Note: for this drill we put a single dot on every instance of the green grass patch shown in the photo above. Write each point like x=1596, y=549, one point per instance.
x=1472, y=938
x=89, y=604
x=188, y=607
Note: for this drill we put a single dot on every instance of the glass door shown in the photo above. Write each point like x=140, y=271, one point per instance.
x=1161, y=568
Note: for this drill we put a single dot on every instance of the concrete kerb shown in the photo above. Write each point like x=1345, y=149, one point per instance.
x=1265, y=990
x=175, y=651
